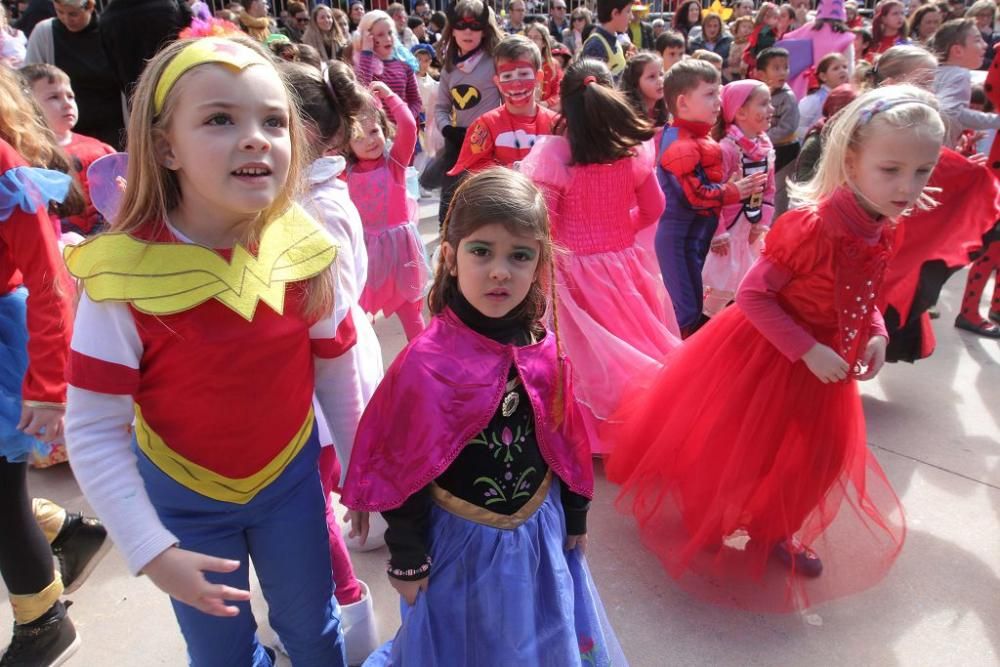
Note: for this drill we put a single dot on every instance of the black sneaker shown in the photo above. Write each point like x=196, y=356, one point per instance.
x=47, y=642
x=79, y=547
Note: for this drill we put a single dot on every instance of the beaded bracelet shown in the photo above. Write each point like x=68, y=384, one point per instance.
x=413, y=572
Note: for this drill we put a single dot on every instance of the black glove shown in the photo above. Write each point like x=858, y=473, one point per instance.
x=453, y=135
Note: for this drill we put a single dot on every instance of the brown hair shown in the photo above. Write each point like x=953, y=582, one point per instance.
x=599, y=121
x=152, y=190
x=630, y=86
x=369, y=109
x=917, y=17
x=827, y=61
x=492, y=35
x=762, y=12
x=878, y=20
x=952, y=33
x=329, y=102
x=518, y=47
x=684, y=77
x=543, y=30
x=35, y=73
x=496, y=196
x=501, y=196
x=22, y=125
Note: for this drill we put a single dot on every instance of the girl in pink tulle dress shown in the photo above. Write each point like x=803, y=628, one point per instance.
x=614, y=318
x=376, y=179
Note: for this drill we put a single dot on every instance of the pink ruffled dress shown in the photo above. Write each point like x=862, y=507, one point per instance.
x=397, y=264
x=615, y=320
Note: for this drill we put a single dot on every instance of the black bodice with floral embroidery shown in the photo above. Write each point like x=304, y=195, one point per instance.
x=499, y=470
x=505, y=457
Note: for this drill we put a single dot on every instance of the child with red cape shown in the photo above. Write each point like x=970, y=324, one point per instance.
x=746, y=459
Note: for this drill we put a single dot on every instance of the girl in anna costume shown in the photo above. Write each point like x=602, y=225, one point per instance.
x=747, y=459
x=210, y=318
x=484, y=472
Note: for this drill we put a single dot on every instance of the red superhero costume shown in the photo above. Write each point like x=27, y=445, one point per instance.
x=691, y=174
x=499, y=137
x=28, y=240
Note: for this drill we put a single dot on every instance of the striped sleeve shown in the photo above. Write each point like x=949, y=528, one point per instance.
x=106, y=349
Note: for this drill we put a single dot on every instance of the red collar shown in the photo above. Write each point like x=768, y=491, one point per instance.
x=694, y=127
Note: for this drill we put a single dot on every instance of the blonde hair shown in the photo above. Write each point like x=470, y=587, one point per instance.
x=152, y=190
x=368, y=22
x=876, y=112
x=898, y=63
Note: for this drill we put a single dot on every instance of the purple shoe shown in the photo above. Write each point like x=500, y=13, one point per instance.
x=798, y=558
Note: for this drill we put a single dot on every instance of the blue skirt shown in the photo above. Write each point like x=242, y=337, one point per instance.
x=504, y=597
x=15, y=446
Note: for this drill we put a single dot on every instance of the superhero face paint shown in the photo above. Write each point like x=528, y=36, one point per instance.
x=517, y=81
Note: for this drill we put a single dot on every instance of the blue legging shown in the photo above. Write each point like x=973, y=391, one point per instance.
x=283, y=529
x=681, y=249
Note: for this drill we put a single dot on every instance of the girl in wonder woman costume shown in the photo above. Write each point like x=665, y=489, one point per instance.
x=209, y=317
x=747, y=457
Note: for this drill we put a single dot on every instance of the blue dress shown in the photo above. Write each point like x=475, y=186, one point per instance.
x=504, y=597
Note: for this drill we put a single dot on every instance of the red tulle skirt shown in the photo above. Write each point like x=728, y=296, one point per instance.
x=735, y=449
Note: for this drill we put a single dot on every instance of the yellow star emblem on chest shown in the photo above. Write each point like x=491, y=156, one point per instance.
x=168, y=278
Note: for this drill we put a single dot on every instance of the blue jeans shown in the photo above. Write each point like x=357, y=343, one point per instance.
x=283, y=529
x=681, y=248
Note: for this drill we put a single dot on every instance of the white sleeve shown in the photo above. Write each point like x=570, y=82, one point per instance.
x=99, y=443
x=99, y=430
x=337, y=374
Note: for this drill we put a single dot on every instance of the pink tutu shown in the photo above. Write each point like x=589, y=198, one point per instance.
x=615, y=324
x=723, y=274
x=397, y=269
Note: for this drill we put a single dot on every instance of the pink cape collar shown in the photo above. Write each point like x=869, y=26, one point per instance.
x=438, y=394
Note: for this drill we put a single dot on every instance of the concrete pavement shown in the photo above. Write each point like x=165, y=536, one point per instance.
x=935, y=428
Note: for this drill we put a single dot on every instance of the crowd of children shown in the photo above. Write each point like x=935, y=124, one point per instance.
x=681, y=258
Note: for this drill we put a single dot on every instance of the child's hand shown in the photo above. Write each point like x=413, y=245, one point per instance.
x=720, y=245
x=874, y=357
x=576, y=542
x=380, y=90
x=826, y=364
x=750, y=185
x=44, y=423
x=359, y=526
x=179, y=574
x=367, y=41
x=409, y=589
x=756, y=231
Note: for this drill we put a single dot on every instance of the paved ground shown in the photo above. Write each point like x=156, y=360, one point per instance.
x=934, y=426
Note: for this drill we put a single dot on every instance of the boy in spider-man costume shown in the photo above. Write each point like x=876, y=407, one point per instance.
x=690, y=171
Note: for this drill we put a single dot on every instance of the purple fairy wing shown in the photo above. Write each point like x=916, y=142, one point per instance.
x=105, y=178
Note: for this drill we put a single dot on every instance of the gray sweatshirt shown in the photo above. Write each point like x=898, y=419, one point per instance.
x=953, y=87
x=785, y=121
x=466, y=92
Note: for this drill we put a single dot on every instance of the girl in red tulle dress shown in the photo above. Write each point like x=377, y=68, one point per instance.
x=747, y=459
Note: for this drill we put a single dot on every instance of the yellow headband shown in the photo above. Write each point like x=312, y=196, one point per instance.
x=206, y=50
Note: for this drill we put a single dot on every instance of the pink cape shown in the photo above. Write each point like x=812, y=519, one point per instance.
x=438, y=394
x=824, y=41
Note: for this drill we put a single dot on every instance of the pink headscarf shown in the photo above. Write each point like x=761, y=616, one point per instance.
x=734, y=96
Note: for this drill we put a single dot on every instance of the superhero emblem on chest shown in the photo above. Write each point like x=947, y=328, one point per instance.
x=478, y=137
x=465, y=96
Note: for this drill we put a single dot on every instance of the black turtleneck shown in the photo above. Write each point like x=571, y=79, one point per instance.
x=499, y=470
